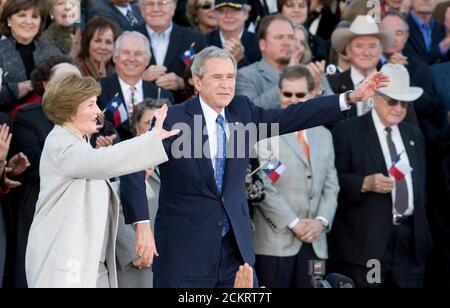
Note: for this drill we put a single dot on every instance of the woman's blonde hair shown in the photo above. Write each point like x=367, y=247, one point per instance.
x=65, y=93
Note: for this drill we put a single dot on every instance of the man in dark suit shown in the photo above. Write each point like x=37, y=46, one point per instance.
x=232, y=34
x=125, y=13
x=381, y=220
x=202, y=229
x=131, y=58
x=173, y=46
x=428, y=39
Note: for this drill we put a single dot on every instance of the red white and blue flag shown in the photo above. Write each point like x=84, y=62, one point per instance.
x=274, y=169
x=400, y=168
x=118, y=110
x=188, y=56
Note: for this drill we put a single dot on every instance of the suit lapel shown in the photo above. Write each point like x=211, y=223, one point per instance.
x=232, y=146
x=176, y=41
x=204, y=163
x=416, y=34
x=292, y=141
x=410, y=147
x=373, y=143
x=268, y=72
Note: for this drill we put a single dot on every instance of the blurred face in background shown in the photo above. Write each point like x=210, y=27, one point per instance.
x=145, y=122
x=296, y=11
x=424, y=6
x=101, y=47
x=65, y=13
x=158, y=14
x=206, y=14
x=401, y=33
x=231, y=19
x=131, y=58
x=447, y=20
x=25, y=25
x=364, y=52
x=294, y=91
x=279, y=43
x=300, y=42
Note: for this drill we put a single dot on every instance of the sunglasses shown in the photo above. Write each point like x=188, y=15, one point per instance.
x=392, y=102
x=297, y=95
x=205, y=6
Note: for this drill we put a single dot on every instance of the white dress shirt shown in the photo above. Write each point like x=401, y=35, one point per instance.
x=160, y=43
x=126, y=91
x=357, y=79
x=211, y=125
x=124, y=10
x=399, y=146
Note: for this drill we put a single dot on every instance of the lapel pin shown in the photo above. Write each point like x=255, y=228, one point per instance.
x=412, y=143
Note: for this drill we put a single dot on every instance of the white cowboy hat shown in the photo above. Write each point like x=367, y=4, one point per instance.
x=363, y=25
x=399, y=84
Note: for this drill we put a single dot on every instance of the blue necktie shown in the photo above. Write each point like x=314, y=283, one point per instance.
x=220, y=163
x=131, y=18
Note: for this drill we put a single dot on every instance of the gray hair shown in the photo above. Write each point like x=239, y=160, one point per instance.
x=64, y=68
x=125, y=34
x=198, y=66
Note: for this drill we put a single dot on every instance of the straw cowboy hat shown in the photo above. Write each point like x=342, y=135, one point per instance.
x=399, y=84
x=363, y=25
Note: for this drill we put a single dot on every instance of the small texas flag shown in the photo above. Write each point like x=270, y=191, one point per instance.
x=400, y=168
x=118, y=110
x=274, y=169
x=188, y=56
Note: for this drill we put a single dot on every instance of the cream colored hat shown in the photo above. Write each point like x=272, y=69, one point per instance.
x=363, y=25
x=399, y=84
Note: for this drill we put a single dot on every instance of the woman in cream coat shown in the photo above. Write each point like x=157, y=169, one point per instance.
x=72, y=238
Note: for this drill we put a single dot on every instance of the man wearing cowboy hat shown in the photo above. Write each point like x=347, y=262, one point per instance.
x=381, y=214
x=364, y=44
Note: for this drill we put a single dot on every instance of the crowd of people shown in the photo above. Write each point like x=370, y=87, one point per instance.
x=354, y=167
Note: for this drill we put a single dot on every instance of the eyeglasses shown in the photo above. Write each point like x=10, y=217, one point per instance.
x=205, y=6
x=392, y=102
x=297, y=95
x=154, y=5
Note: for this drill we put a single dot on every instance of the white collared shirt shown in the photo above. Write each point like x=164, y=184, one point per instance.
x=222, y=39
x=211, y=125
x=357, y=79
x=124, y=10
x=400, y=147
x=126, y=91
x=160, y=43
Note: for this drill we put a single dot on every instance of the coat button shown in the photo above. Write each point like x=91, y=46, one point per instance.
x=309, y=177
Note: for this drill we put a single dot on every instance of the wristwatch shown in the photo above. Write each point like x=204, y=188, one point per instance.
x=348, y=99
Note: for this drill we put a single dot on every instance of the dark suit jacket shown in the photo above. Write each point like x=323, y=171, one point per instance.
x=181, y=40
x=107, y=9
x=363, y=221
x=416, y=44
x=189, y=222
x=111, y=87
x=249, y=40
x=327, y=23
x=441, y=83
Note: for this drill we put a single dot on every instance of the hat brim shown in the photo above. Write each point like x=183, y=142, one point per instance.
x=413, y=94
x=229, y=4
x=342, y=36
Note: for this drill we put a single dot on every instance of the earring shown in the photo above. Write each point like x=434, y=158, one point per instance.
x=52, y=17
x=9, y=25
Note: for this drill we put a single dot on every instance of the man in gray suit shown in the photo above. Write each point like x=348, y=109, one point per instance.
x=259, y=81
x=126, y=14
x=291, y=223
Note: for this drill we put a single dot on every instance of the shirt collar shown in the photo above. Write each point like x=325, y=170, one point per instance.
x=379, y=126
x=222, y=39
x=209, y=113
x=356, y=76
x=125, y=86
x=420, y=22
x=163, y=35
x=124, y=10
